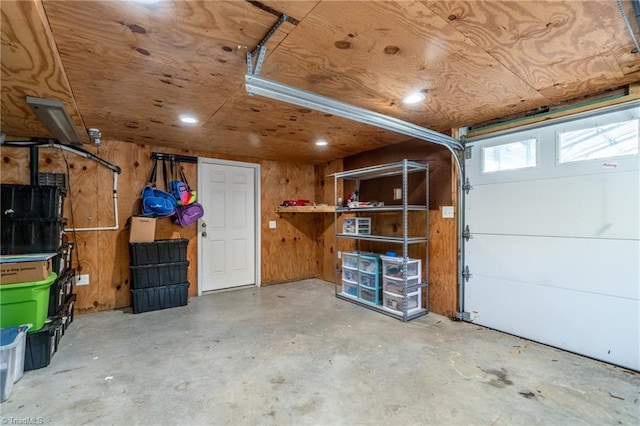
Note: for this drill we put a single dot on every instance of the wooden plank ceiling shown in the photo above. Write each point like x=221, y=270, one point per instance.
x=130, y=68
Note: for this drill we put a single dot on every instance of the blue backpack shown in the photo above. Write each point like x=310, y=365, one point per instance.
x=156, y=202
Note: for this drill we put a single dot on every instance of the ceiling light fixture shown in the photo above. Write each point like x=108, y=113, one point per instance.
x=322, y=143
x=413, y=98
x=188, y=119
x=52, y=113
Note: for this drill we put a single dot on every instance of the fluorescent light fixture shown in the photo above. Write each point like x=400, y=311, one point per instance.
x=256, y=85
x=52, y=113
x=413, y=98
x=322, y=143
x=188, y=119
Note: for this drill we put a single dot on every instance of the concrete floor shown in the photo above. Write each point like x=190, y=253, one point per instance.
x=294, y=354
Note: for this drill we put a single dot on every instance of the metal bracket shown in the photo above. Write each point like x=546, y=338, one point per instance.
x=260, y=50
x=174, y=157
x=466, y=234
x=467, y=186
x=466, y=274
x=467, y=150
x=463, y=316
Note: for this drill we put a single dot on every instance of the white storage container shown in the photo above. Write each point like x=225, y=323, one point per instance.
x=350, y=259
x=392, y=267
x=394, y=285
x=394, y=303
x=356, y=225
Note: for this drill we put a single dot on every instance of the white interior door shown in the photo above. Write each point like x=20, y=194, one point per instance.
x=227, y=232
x=555, y=248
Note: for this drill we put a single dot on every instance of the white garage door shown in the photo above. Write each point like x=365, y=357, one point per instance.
x=554, y=214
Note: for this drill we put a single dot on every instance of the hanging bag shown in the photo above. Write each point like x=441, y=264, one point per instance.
x=178, y=188
x=188, y=214
x=156, y=202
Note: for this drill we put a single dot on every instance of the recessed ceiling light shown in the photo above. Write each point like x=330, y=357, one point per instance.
x=413, y=98
x=322, y=143
x=188, y=119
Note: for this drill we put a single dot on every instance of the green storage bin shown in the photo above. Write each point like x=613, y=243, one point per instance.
x=25, y=303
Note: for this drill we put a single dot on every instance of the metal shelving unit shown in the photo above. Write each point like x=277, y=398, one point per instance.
x=403, y=169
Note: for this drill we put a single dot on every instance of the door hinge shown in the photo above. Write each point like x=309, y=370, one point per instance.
x=466, y=274
x=467, y=186
x=467, y=151
x=466, y=234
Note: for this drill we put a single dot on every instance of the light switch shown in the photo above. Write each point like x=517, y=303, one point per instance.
x=448, y=212
x=397, y=193
x=272, y=224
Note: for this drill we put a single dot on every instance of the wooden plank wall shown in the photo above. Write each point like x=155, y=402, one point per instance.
x=104, y=255
x=289, y=250
x=326, y=259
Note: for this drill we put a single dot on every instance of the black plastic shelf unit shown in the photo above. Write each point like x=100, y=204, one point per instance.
x=60, y=292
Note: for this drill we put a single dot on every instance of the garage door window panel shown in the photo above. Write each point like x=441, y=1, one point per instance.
x=595, y=143
x=511, y=155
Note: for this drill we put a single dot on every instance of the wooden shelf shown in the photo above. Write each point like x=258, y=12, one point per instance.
x=306, y=209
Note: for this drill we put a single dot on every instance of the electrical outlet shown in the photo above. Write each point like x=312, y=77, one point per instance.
x=272, y=224
x=82, y=279
x=448, y=212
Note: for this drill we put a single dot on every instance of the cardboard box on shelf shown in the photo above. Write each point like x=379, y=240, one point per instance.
x=26, y=268
x=143, y=229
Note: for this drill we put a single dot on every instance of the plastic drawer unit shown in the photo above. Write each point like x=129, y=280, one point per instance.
x=369, y=262
x=350, y=260
x=393, y=267
x=394, y=302
x=356, y=225
x=370, y=295
x=396, y=285
x=350, y=288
